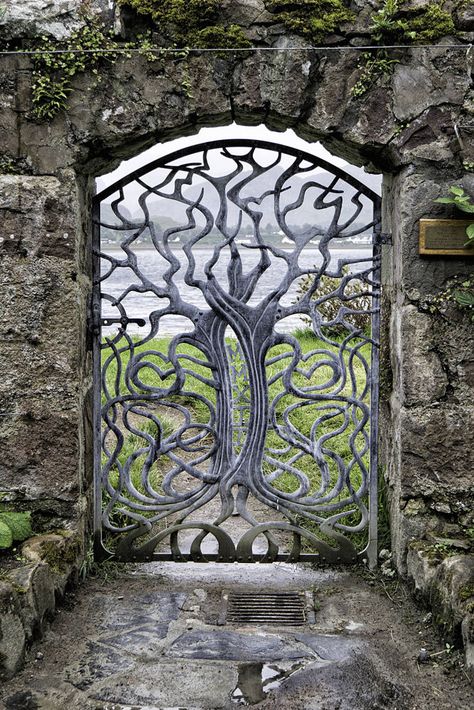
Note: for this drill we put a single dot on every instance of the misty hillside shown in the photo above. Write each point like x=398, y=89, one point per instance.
x=175, y=211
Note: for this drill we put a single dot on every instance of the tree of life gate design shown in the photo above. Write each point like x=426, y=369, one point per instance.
x=235, y=317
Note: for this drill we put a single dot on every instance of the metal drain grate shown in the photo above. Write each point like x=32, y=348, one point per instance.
x=282, y=608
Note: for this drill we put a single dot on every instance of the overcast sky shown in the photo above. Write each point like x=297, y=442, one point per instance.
x=212, y=134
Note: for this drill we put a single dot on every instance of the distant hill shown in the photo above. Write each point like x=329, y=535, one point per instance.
x=175, y=211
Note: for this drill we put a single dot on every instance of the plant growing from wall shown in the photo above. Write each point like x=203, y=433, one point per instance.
x=460, y=199
x=459, y=291
x=463, y=293
x=14, y=527
x=390, y=26
x=183, y=23
x=53, y=72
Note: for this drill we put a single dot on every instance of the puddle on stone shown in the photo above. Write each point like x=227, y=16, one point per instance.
x=257, y=679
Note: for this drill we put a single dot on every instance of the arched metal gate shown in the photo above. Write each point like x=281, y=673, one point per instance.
x=236, y=321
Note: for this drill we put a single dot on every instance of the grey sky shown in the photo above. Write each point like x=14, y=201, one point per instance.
x=221, y=133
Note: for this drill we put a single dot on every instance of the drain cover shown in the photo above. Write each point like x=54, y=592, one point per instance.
x=282, y=608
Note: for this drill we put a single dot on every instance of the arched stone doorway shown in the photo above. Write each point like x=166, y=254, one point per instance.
x=242, y=278
x=46, y=264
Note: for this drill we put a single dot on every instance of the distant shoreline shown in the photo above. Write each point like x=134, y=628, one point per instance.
x=210, y=247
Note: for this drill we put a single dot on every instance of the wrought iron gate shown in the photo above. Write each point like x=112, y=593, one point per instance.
x=235, y=317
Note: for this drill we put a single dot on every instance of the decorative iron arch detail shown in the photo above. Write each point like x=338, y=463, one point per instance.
x=210, y=405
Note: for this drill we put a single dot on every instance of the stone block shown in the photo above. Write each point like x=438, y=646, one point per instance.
x=374, y=124
x=8, y=102
x=426, y=138
x=275, y=85
x=413, y=195
x=40, y=455
x=452, y=337
x=246, y=12
x=420, y=570
x=28, y=593
x=36, y=600
x=57, y=18
x=12, y=634
x=54, y=368
x=38, y=216
x=46, y=146
x=410, y=522
x=332, y=94
x=448, y=585
x=465, y=18
x=60, y=553
x=452, y=594
x=423, y=378
x=467, y=630
x=436, y=457
x=423, y=84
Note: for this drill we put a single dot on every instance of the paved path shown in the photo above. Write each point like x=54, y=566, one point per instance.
x=153, y=638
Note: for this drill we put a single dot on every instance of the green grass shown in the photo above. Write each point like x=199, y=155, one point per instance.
x=301, y=418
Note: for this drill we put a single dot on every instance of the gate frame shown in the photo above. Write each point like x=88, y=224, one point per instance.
x=95, y=317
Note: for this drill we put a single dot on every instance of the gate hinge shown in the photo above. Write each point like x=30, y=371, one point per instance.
x=94, y=316
x=383, y=238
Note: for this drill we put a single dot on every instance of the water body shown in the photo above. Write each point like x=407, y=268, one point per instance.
x=153, y=267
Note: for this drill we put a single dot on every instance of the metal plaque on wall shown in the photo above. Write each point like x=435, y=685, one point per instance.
x=444, y=237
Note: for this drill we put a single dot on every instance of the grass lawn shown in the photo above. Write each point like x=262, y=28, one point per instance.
x=331, y=420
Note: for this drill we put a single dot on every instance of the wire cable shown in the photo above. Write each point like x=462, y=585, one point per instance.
x=188, y=50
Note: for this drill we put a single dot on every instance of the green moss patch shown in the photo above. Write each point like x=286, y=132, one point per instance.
x=59, y=556
x=190, y=23
x=466, y=592
x=313, y=19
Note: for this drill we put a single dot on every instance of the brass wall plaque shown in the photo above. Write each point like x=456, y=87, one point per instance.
x=444, y=237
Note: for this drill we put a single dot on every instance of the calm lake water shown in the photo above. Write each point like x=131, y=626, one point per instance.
x=153, y=266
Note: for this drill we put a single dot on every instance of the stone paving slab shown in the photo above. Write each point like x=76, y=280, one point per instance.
x=151, y=640
x=232, y=646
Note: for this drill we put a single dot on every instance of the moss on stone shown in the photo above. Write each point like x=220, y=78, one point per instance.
x=430, y=23
x=230, y=37
x=394, y=23
x=466, y=592
x=5, y=577
x=182, y=15
x=313, y=19
x=433, y=553
x=7, y=166
x=190, y=22
x=59, y=557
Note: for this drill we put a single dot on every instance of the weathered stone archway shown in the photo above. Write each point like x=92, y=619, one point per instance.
x=402, y=127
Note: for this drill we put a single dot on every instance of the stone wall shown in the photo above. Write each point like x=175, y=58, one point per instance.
x=403, y=126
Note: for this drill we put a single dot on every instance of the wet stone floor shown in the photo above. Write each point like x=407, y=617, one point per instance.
x=156, y=637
